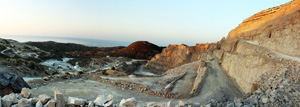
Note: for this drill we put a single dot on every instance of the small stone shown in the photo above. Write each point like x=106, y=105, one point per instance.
x=268, y=92
x=131, y=102
x=6, y=101
x=154, y=104
x=281, y=86
x=238, y=104
x=264, y=99
x=76, y=101
x=237, y=100
x=91, y=104
x=24, y=103
x=44, y=98
x=39, y=104
x=26, y=92
x=181, y=103
x=102, y=100
x=33, y=101
x=132, y=76
x=171, y=103
x=259, y=91
x=59, y=98
x=46, y=78
x=50, y=103
x=272, y=99
x=286, y=98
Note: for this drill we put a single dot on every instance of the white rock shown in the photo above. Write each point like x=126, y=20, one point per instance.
x=104, y=100
x=130, y=102
x=50, y=103
x=264, y=99
x=286, y=98
x=39, y=104
x=24, y=103
x=6, y=101
x=181, y=103
x=132, y=76
x=272, y=99
x=44, y=98
x=13, y=97
x=59, y=98
x=26, y=92
x=171, y=103
x=154, y=104
x=259, y=91
x=91, y=104
x=76, y=101
x=33, y=101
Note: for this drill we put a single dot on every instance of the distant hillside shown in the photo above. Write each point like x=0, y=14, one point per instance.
x=138, y=50
x=59, y=50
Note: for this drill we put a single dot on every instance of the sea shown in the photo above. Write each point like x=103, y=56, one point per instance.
x=83, y=41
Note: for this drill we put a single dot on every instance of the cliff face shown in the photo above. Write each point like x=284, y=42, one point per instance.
x=264, y=16
x=176, y=55
x=264, y=44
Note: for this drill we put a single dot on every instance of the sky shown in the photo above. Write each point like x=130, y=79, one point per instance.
x=161, y=22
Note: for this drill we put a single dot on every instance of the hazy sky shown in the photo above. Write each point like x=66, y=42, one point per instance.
x=159, y=21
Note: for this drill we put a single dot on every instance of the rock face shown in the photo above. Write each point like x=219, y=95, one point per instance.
x=11, y=83
x=275, y=28
x=265, y=43
x=181, y=54
x=264, y=16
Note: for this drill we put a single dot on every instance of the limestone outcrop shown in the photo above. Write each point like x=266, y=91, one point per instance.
x=176, y=55
x=264, y=16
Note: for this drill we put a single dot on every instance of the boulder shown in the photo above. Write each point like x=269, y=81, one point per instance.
x=44, y=98
x=171, y=103
x=59, y=98
x=76, y=101
x=39, y=104
x=26, y=92
x=6, y=101
x=181, y=103
x=11, y=83
x=130, y=102
x=24, y=103
x=104, y=100
x=13, y=97
x=264, y=99
x=50, y=103
x=33, y=101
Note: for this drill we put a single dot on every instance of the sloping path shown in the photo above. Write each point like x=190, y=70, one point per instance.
x=277, y=53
